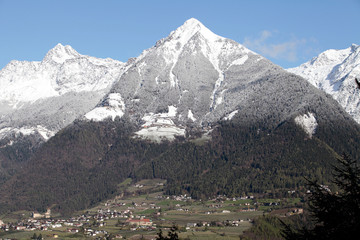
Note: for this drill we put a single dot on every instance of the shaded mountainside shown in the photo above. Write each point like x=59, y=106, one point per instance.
x=23, y=132
x=83, y=163
x=79, y=167
x=257, y=156
x=13, y=156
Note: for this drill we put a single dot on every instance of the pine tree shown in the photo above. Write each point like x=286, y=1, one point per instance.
x=172, y=234
x=335, y=215
x=160, y=235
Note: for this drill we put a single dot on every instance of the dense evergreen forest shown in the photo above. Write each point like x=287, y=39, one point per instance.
x=84, y=163
x=14, y=155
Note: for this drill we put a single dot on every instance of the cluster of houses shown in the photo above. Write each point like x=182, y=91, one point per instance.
x=88, y=223
x=222, y=198
x=143, y=223
x=31, y=225
x=295, y=211
x=219, y=198
x=230, y=223
x=235, y=223
x=174, y=197
x=38, y=215
x=43, y=222
x=92, y=232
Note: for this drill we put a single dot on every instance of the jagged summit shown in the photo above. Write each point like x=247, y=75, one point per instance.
x=192, y=27
x=192, y=22
x=60, y=54
x=197, y=37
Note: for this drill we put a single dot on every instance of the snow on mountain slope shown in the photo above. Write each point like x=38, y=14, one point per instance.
x=158, y=127
x=112, y=107
x=187, y=70
x=45, y=133
x=308, y=123
x=61, y=71
x=54, y=92
x=334, y=71
x=205, y=77
x=208, y=78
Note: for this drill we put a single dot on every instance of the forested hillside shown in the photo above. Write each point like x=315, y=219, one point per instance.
x=85, y=162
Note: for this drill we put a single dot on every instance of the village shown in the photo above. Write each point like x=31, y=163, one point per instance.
x=145, y=214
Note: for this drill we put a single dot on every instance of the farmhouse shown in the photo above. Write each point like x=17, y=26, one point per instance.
x=38, y=215
x=140, y=222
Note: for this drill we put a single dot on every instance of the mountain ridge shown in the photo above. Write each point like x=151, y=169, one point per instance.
x=60, y=62
x=63, y=77
x=334, y=71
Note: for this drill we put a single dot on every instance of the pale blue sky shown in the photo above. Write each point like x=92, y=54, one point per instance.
x=286, y=32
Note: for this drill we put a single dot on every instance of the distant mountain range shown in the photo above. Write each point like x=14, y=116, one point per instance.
x=202, y=111
x=43, y=97
x=40, y=98
x=334, y=71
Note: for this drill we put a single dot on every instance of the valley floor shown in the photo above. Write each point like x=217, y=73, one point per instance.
x=144, y=210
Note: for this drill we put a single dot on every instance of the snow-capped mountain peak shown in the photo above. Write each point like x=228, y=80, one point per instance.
x=54, y=92
x=62, y=70
x=190, y=69
x=60, y=54
x=191, y=27
x=196, y=37
x=334, y=71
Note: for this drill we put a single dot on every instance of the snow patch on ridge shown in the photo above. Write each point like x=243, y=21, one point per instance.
x=45, y=133
x=159, y=127
x=220, y=98
x=308, y=123
x=191, y=116
x=113, y=107
x=240, y=61
x=231, y=115
x=160, y=133
x=4, y=132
